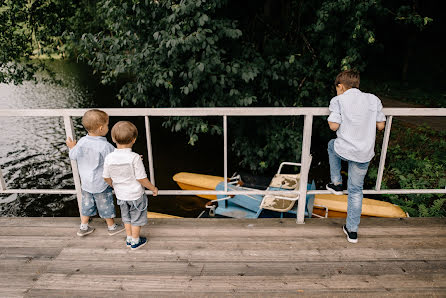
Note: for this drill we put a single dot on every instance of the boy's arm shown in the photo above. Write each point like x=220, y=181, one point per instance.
x=380, y=125
x=335, y=119
x=333, y=125
x=106, y=174
x=109, y=181
x=72, y=145
x=146, y=183
x=380, y=117
x=141, y=176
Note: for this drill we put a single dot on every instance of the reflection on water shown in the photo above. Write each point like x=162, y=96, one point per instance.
x=33, y=153
x=32, y=149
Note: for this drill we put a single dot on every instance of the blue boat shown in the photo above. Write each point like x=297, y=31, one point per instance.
x=262, y=206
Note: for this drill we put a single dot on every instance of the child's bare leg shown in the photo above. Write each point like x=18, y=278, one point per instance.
x=135, y=232
x=128, y=229
x=84, y=219
x=110, y=221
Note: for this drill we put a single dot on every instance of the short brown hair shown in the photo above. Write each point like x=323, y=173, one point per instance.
x=349, y=78
x=124, y=132
x=92, y=119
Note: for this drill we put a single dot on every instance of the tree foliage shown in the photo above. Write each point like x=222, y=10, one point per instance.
x=411, y=166
x=202, y=53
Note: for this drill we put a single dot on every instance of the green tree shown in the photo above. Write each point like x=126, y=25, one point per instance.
x=202, y=53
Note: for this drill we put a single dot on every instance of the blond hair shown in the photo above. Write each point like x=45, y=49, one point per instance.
x=349, y=78
x=124, y=132
x=93, y=119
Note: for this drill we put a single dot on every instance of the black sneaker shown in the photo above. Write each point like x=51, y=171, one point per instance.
x=352, y=237
x=335, y=189
x=141, y=243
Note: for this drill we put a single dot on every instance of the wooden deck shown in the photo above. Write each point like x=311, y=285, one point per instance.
x=224, y=257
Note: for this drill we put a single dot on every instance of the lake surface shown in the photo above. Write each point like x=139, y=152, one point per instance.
x=33, y=153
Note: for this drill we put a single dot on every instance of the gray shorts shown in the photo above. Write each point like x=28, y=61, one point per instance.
x=134, y=212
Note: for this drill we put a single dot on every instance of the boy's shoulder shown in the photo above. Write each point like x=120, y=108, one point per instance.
x=119, y=155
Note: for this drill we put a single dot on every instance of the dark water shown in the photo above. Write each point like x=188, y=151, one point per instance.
x=33, y=153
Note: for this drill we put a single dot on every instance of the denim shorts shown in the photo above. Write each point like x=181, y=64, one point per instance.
x=98, y=202
x=134, y=212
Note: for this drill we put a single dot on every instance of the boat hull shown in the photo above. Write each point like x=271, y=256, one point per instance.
x=336, y=205
x=192, y=181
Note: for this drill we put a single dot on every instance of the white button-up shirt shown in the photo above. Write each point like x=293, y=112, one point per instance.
x=357, y=113
x=124, y=166
x=90, y=153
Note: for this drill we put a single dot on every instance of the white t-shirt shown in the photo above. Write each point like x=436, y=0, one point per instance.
x=124, y=166
x=357, y=113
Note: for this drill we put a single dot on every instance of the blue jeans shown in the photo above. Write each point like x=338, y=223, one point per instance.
x=102, y=202
x=355, y=183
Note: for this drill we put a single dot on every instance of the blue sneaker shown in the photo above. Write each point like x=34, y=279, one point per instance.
x=128, y=243
x=141, y=243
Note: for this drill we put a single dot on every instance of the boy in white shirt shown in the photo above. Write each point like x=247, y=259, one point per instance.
x=355, y=116
x=124, y=171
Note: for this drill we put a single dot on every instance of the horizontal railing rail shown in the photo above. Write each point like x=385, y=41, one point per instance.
x=308, y=114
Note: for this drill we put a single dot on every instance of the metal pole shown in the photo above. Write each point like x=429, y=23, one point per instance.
x=305, y=160
x=2, y=181
x=225, y=150
x=149, y=150
x=69, y=130
x=382, y=159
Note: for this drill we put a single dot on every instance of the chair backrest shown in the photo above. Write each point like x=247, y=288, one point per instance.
x=286, y=181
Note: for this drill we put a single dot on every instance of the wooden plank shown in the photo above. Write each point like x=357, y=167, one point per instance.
x=42, y=231
x=222, y=234
x=34, y=241
x=238, y=283
x=216, y=243
x=408, y=292
x=29, y=265
x=236, y=223
x=239, y=232
x=142, y=267
x=29, y=253
x=252, y=255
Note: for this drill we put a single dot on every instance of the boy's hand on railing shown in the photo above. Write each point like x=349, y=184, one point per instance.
x=155, y=191
x=70, y=143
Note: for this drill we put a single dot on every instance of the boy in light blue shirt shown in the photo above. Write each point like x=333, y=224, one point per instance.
x=355, y=116
x=90, y=153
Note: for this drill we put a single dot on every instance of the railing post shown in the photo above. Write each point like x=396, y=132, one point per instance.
x=2, y=181
x=69, y=130
x=305, y=168
x=149, y=150
x=382, y=159
x=225, y=150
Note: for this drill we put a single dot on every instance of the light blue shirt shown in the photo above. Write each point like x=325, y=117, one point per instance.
x=90, y=153
x=357, y=113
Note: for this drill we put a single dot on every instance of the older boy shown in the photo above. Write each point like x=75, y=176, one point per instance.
x=124, y=171
x=354, y=116
x=90, y=153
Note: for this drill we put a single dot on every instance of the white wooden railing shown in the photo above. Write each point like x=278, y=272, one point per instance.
x=308, y=114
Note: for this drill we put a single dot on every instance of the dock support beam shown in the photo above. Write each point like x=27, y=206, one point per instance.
x=382, y=159
x=149, y=150
x=2, y=181
x=69, y=130
x=305, y=168
x=225, y=149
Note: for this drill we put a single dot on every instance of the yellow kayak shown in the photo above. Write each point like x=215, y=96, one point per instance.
x=192, y=181
x=160, y=215
x=370, y=207
x=336, y=205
